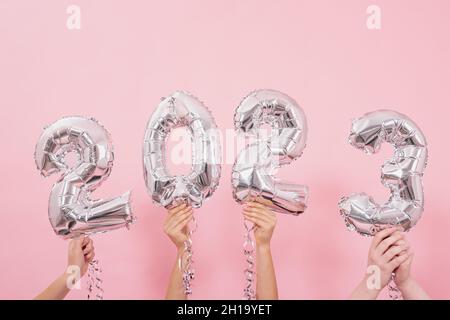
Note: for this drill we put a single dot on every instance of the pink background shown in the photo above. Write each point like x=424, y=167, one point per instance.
x=130, y=53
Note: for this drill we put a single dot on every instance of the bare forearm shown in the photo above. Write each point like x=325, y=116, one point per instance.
x=266, y=284
x=175, y=290
x=57, y=290
x=363, y=292
x=411, y=290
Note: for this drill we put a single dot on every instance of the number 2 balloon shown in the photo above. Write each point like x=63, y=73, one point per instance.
x=253, y=171
x=71, y=211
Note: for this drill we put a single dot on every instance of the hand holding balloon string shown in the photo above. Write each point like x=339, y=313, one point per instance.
x=80, y=254
x=392, y=255
x=264, y=222
x=176, y=224
x=177, y=228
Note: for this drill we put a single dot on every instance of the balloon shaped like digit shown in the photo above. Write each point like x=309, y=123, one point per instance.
x=402, y=174
x=181, y=109
x=71, y=211
x=252, y=175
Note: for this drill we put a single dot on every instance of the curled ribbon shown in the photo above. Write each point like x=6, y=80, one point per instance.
x=393, y=290
x=186, y=262
x=249, y=272
x=94, y=283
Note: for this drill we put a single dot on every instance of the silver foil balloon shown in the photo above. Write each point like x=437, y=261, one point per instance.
x=71, y=210
x=402, y=174
x=181, y=109
x=253, y=172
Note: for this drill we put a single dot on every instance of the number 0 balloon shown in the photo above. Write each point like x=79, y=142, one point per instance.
x=402, y=174
x=182, y=109
x=71, y=211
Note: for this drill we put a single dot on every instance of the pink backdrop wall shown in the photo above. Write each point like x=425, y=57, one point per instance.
x=130, y=53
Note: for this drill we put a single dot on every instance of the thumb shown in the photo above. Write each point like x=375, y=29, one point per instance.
x=85, y=240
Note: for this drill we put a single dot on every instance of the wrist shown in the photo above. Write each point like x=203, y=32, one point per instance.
x=405, y=284
x=180, y=248
x=64, y=276
x=369, y=290
x=66, y=282
x=179, y=244
x=263, y=247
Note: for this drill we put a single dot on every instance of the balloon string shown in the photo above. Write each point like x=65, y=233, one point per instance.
x=249, y=271
x=394, y=291
x=186, y=262
x=94, y=283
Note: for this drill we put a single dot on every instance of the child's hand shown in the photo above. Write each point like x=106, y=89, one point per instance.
x=264, y=219
x=81, y=253
x=176, y=225
x=388, y=251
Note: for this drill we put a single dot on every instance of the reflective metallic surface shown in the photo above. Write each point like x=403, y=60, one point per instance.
x=71, y=211
x=402, y=174
x=253, y=172
x=181, y=109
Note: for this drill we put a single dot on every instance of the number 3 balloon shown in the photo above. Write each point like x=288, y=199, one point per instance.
x=182, y=109
x=71, y=211
x=252, y=175
x=402, y=174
